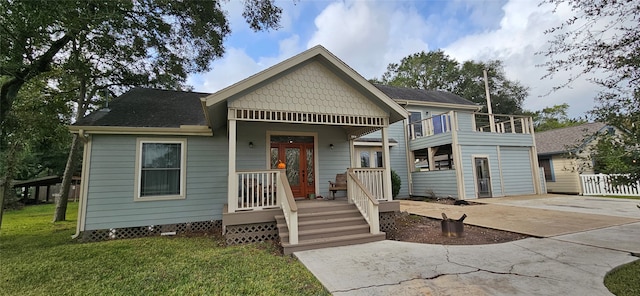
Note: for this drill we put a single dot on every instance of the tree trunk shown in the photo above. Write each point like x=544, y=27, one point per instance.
x=63, y=197
x=5, y=183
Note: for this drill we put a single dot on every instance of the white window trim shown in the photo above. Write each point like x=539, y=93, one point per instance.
x=475, y=174
x=421, y=112
x=183, y=168
x=372, y=155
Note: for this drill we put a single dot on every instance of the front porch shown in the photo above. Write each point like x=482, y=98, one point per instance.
x=321, y=223
x=302, y=115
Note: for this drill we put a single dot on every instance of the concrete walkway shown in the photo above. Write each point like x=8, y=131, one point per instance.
x=569, y=264
x=531, y=220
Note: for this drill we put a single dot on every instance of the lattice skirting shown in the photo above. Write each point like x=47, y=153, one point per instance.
x=251, y=233
x=387, y=221
x=151, y=230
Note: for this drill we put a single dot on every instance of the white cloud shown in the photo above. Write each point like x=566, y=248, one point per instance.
x=515, y=42
x=367, y=35
x=235, y=66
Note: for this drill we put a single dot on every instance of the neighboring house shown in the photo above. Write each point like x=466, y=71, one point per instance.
x=167, y=161
x=563, y=154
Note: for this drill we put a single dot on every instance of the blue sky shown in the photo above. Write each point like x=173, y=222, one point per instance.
x=368, y=35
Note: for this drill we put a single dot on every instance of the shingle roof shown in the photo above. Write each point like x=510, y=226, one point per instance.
x=566, y=139
x=414, y=94
x=145, y=107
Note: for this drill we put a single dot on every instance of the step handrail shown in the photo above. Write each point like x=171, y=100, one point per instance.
x=289, y=206
x=364, y=201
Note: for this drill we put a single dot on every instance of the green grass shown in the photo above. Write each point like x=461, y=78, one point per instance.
x=616, y=196
x=625, y=280
x=39, y=258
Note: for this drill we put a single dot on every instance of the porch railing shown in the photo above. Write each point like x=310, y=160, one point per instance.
x=289, y=208
x=602, y=184
x=503, y=124
x=364, y=201
x=257, y=189
x=372, y=180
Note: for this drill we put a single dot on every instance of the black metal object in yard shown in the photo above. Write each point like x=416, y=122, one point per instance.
x=452, y=227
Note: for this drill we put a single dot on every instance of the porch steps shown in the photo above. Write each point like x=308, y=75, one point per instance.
x=327, y=226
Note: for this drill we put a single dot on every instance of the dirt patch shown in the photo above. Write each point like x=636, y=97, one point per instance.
x=419, y=229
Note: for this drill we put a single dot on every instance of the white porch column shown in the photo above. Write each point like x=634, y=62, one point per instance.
x=387, y=164
x=232, y=191
x=352, y=154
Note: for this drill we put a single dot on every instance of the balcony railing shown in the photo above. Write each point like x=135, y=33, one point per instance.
x=467, y=121
x=503, y=124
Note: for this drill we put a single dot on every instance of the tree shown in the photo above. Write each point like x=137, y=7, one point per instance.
x=39, y=146
x=553, y=117
x=603, y=38
x=437, y=71
x=147, y=42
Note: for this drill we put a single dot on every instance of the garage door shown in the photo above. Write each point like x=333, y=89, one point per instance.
x=517, y=176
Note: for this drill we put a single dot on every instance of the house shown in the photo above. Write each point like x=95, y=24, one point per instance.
x=252, y=156
x=452, y=150
x=564, y=154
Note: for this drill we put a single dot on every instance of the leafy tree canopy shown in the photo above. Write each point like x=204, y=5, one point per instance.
x=146, y=42
x=553, y=117
x=604, y=38
x=435, y=70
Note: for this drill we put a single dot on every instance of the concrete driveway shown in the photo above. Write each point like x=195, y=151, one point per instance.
x=535, y=215
x=567, y=264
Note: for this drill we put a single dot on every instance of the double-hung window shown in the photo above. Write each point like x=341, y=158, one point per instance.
x=160, y=169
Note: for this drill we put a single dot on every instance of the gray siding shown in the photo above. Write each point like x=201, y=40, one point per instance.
x=398, y=157
x=465, y=121
x=468, y=169
x=330, y=161
x=111, y=204
x=516, y=170
x=438, y=183
x=496, y=139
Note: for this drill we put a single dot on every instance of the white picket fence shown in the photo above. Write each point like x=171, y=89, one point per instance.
x=601, y=184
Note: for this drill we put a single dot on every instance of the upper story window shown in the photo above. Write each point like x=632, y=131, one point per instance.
x=415, y=124
x=160, y=169
x=441, y=124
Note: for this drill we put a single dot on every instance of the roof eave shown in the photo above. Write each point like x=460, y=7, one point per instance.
x=184, y=130
x=438, y=104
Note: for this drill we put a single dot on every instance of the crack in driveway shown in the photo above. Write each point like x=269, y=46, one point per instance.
x=448, y=254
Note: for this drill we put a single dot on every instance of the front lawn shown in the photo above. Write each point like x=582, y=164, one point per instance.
x=618, y=196
x=624, y=281
x=39, y=258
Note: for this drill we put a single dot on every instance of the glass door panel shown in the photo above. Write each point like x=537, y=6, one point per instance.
x=292, y=160
x=483, y=180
